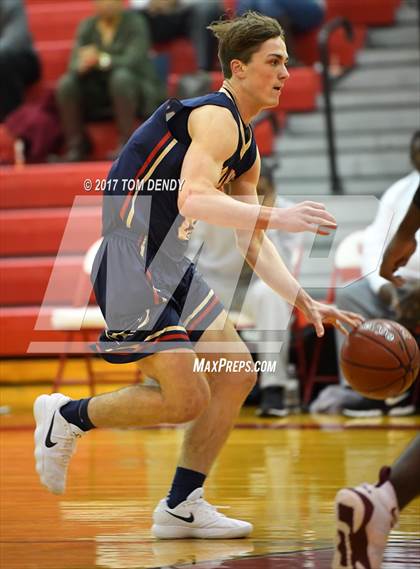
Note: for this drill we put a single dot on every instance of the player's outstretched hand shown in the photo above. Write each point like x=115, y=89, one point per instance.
x=305, y=216
x=320, y=313
x=397, y=255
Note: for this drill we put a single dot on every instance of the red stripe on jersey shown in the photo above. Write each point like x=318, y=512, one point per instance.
x=155, y=293
x=169, y=336
x=152, y=155
x=202, y=314
x=166, y=336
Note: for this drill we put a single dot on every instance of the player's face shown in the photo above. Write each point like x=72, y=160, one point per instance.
x=266, y=72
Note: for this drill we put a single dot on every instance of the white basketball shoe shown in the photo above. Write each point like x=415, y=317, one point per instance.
x=364, y=515
x=196, y=518
x=55, y=441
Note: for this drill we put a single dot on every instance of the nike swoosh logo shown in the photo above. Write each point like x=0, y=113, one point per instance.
x=189, y=520
x=48, y=441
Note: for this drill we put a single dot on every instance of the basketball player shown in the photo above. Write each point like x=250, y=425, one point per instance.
x=366, y=514
x=157, y=308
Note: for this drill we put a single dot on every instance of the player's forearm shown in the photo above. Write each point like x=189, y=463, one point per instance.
x=217, y=208
x=210, y=205
x=411, y=222
x=262, y=256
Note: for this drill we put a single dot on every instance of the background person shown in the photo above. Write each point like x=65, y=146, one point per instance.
x=19, y=63
x=366, y=514
x=110, y=74
x=375, y=297
x=172, y=19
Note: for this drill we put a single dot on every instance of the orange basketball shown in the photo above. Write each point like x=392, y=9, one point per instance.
x=380, y=359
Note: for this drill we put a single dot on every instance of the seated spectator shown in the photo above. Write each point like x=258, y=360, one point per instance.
x=19, y=64
x=375, y=297
x=222, y=263
x=167, y=19
x=172, y=19
x=205, y=43
x=110, y=73
x=295, y=16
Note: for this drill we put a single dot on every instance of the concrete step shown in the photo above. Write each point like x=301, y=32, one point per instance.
x=384, y=57
x=407, y=14
x=360, y=164
x=352, y=213
x=304, y=188
x=374, y=79
x=361, y=121
x=376, y=110
x=289, y=145
x=402, y=36
x=372, y=142
x=372, y=99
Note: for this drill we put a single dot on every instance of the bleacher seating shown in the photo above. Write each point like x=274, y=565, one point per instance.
x=57, y=21
x=46, y=185
x=368, y=12
x=36, y=200
x=14, y=278
x=39, y=232
x=35, y=206
x=53, y=26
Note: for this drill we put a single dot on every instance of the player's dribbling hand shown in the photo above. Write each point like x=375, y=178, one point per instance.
x=305, y=216
x=320, y=314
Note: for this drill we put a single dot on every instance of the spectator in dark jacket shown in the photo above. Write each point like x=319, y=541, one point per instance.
x=19, y=64
x=167, y=19
x=171, y=19
x=110, y=72
x=202, y=14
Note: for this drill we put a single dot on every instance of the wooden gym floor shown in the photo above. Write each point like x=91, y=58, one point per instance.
x=280, y=474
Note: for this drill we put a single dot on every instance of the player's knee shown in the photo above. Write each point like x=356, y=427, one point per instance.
x=193, y=402
x=249, y=379
x=198, y=400
x=242, y=381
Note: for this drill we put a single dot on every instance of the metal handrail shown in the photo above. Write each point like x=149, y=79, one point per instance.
x=323, y=39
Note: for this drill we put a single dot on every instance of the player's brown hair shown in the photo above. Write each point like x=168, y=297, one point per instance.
x=241, y=37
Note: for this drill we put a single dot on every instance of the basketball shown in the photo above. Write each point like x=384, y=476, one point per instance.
x=380, y=359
